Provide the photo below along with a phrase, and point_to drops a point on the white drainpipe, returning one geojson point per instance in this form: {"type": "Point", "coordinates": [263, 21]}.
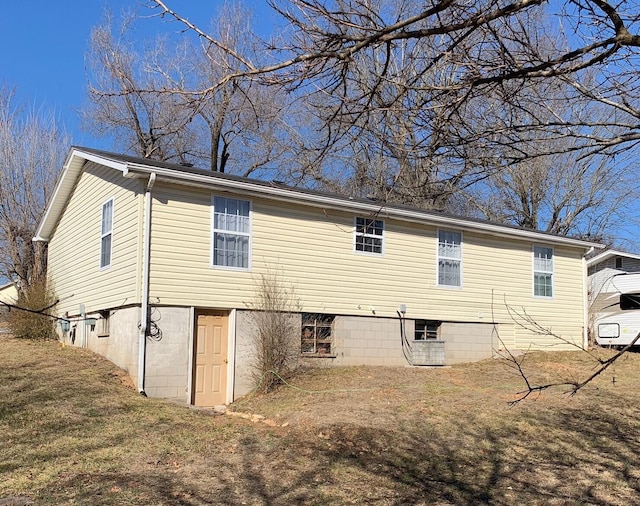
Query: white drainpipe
{"type": "Point", "coordinates": [585, 299]}
{"type": "Point", "coordinates": [144, 309]}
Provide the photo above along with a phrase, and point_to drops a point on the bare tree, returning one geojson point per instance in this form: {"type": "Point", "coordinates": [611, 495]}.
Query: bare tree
{"type": "Point", "coordinates": [32, 149]}
{"type": "Point", "coordinates": [572, 385]}
{"type": "Point", "coordinates": [146, 99]}
{"type": "Point", "coordinates": [409, 96]}
{"type": "Point", "coordinates": [150, 125]}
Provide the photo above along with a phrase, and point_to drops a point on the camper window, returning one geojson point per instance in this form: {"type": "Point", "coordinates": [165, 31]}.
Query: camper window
{"type": "Point", "coordinates": [610, 330]}
{"type": "Point", "coordinates": [630, 301]}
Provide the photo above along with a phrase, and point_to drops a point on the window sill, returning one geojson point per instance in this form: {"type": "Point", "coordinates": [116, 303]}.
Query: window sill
{"type": "Point", "coordinates": [318, 355]}
{"type": "Point", "coordinates": [450, 287]}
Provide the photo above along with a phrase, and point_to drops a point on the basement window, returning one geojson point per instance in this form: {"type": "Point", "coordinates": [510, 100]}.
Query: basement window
{"type": "Point", "coordinates": [426, 329]}
{"type": "Point", "coordinates": [317, 336]}
{"type": "Point", "coordinates": [103, 324]}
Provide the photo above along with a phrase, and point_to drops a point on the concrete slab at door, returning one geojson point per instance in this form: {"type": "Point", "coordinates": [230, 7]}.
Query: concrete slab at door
{"type": "Point", "coordinates": [210, 378]}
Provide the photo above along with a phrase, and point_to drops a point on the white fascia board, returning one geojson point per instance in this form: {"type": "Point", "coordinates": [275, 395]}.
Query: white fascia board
{"type": "Point", "coordinates": [108, 162]}
{"type": "Point", "coordinates": [610, 253]}
{"type": "Point", "coordinates": [345, 204]}
{"type": "Point", "coordinates": [71, 171]}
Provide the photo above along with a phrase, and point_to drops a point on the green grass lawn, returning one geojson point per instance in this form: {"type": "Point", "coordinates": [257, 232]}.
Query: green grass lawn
{"type": "Point", "coordinates": [73, 431]}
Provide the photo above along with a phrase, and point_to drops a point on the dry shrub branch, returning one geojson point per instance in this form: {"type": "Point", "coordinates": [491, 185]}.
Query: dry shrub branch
{"type": "Point", "coordinates": [277, 330]}
{"type": "Point", "coordinates": [28, 319]}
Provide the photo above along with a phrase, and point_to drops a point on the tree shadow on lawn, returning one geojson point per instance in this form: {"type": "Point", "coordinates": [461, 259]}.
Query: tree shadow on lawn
{"type": "Point", "coordinates": [576, 456]}
{"type": "Point", "coordinates": [538, 456]}
{"type": "Point", "coordinates": [535, 453]}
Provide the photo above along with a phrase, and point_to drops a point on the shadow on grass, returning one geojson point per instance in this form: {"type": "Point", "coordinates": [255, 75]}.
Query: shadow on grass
{"type": "Point", "coordinates": [573, 457]}
{"type": "Point", "coordinates": [568, 456]}
{"type": "Point", "coordinates": [92, 442]}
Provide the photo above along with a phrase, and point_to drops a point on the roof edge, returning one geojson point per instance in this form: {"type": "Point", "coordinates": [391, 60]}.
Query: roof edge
{"type": "Point", "coordinates": [131, 166]}
{"type": "Point", "coordinates": [71, 171]}
{"type": "Point", "coordinates": [605, 255]}
{"type": "Point", "coordinates": [317, 199]}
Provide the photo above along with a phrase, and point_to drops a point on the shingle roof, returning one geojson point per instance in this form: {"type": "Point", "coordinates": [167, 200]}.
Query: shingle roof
{"type": "Point", "coordinates": [179, 174]}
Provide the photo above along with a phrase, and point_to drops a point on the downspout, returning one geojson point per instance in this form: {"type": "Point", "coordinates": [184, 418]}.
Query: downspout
{"type": "Point", "coordinates": [585, 300]}
{"type": "Point", "coordinates": [144, 306]}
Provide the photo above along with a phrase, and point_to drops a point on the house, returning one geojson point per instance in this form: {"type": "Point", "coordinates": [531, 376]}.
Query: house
{"type": "Point", "coordinates": [156, 266]}
{"type": "Point", "coordinates": [614, 294]}
{"type": "Point", "coordinates": [8, 295]}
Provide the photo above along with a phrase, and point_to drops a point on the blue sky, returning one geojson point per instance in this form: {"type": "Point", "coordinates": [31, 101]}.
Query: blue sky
{"type": "Point", "coordinates": [43, 45]}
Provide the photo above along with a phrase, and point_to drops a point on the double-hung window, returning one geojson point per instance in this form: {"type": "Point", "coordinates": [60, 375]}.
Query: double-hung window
{"type": "Point", "coordinates": [106, 233]}
{"type": "Point", "coordinates": [449, 258]}
{"type": "Point", "coordinates": [231, 232]}
{"type": "Point", "coordinates": [542, 271]}
{"type": "Point", "coordinates": [368, 235]}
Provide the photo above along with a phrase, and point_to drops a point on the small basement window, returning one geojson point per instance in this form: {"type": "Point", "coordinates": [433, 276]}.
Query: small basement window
{"type": "Point", "coordinates": [317, 336]}
{"type": "Point", "coordinates": [103, 324]}
{"type": "Point", "coordinates": [426, 329]}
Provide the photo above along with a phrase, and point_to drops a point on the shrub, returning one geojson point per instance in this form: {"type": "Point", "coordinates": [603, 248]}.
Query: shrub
{"type": "Point", "coordinates": [34, 324]}
{"type": "Point", "coordinates": [277, 331]}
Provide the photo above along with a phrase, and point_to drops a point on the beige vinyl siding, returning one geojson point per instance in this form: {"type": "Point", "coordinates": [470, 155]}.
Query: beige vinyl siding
{"type": "Point", "coordinates": [74, 249]}
{"type": "Point", "coordinates": [9, 293]}
{"type": "Point", "coordinates": [313, 248]}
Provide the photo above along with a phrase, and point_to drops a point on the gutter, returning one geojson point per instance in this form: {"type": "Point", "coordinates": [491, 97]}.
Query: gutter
{"type": "Point", "coordinates": [144, 306]}
{"type": "Point", "coordinates": [286, 194]}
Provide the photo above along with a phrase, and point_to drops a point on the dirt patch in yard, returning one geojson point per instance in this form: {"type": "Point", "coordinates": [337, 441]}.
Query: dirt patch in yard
{"type": "Point", "coordinates": [73, 433]}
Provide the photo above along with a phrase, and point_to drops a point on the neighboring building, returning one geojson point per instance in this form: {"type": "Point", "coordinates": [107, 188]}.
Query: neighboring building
{"type": "Point", "coordinates": [8, 295]}
{"type": "Point", "coordinates": [377, 284]}
{"type": "Point", "coordinates": [614, 297]}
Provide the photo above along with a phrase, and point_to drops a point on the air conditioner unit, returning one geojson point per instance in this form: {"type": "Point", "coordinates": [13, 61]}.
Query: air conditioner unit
{"type": "Point", "coordinates": [427, 352]}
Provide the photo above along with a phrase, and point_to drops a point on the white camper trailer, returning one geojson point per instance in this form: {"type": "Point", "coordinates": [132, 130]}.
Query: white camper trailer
{"type": "Point", "coordinates": [617, 313]}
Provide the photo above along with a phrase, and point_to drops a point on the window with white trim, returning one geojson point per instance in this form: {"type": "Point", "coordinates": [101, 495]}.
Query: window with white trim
{"type": "Point", "coordinates": [231, 232]}
{"type": "Point", "coordinates": [106, 234]}
{"type": "Point", "coordinates": [449, 258]}
{"type": "Point", "coordinates": [542, 271]}
{"type": "Point", "coordinates": [368, 235]}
